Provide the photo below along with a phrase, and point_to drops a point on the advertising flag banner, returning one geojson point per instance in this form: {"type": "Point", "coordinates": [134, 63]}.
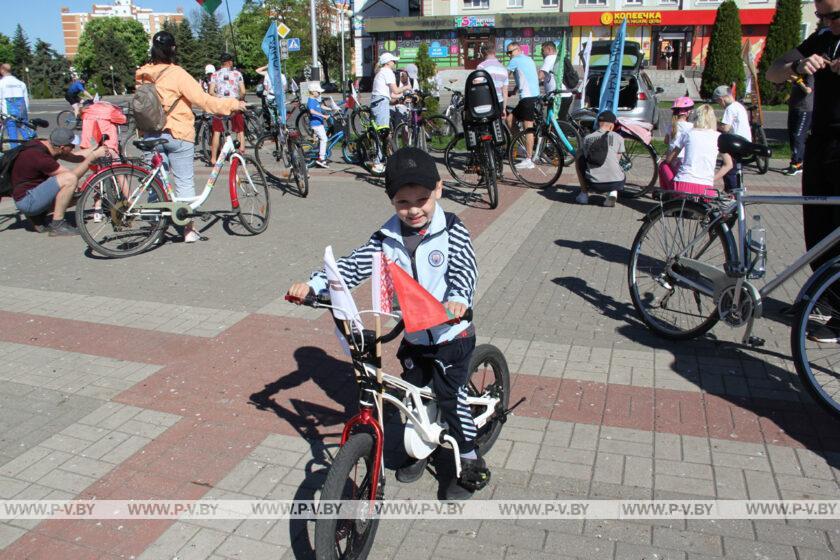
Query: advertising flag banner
{"type": "Point", "coordinates": [271, 48]}
{"type": "Point", "coordinates": [612, 78]}
{"type": "Point", "coordinates": [587, 55]}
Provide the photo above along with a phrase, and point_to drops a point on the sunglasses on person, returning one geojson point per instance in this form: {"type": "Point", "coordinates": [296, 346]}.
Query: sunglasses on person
{"type": "Point", "coordinates": [831, 16]}
{"type": "Point", "coordinates": [510, 52]}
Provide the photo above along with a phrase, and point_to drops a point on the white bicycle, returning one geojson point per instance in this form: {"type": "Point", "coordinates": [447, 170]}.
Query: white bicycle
{"type": "Point", "coordinates": [125, 208]}
{"type": "Point", "coordinates": [357, 472]}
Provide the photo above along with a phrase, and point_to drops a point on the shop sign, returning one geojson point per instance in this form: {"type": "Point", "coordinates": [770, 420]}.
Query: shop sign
{"type": "Point", "coordinates": [408, 52]}
{"type": "Point", "coordinates": [633, 18]}
{"type": "Point", "coordinates": [436, 50]}
{"type": "Point", "coordinates": [475, 21]}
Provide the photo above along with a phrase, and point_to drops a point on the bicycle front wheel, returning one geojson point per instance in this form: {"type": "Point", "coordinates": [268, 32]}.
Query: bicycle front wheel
{"type": "Point", "coordinates": [66, 119]}
{"type": "Point", "coordinates": [403, 136]}
{"type": "Point", "coordinates": [762, 164]}
{"type": "Point", "coordinates": [302, 124]}
{"type": "Point", "coordinates": [544, 166]}
{"type": "Point", "coordinates": [298, 171]}
{"type": "Point", "coordinates": [814, 341]}
{"type": "Point", "coordinates": [438, 131]}
{"type": "Point", "coordinates": [310, 152]}
{"type": "Point", "coordinates": [463, 163]}
{"type": "Point", "coordinates": [572, 142]}
{"type": "Point", "coordinates": [639, 164]}
{"type": "Point", "coordinates": [349, 478]}
{"type": "Point", "coordinates": [659, 285]}
{"type": "Point", "coordinates": [249, 194]}
{"type": "Point", "coordinates": [108, 217]}
{"type": "Point", "coordinates": [360, 120]}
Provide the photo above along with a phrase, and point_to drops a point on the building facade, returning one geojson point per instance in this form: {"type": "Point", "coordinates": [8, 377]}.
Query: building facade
{"type": "Point", "coordinates": [73, 23]}
{"type": "Point", "coordinates": [674, 34]}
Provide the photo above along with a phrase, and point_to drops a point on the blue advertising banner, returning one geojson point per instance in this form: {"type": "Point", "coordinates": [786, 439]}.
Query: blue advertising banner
{"type": "Point", "coordinates": [271, 48]}
{"type": "Point", "coordinates": [612, 77]}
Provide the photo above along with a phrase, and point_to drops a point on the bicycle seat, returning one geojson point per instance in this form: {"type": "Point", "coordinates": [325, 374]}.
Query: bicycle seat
{"type": "Point", "coordinates": [149, 145]}
{"type": "Point", "coordinates": [739, 148]}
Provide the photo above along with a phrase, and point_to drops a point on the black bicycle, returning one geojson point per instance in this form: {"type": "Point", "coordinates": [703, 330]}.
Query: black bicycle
{"type": "Point", "coordinates": [28, 128]}
{"type": "Point", "coordinates": [281, 157]}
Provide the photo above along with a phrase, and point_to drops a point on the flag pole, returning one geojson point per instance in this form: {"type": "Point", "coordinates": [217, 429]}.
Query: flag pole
{"type": "Point", "coordinates": [232, 36]}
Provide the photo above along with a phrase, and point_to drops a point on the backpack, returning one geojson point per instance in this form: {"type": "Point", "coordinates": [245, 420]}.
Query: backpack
{"type": "Point", "coordinates": [596, 153]}
{"type": "Point", "coordinates": [147, 108]}
{"type": "Point", "coordinates": [571, 78]}
{"type": "Point", "coordinates": [6, 164]}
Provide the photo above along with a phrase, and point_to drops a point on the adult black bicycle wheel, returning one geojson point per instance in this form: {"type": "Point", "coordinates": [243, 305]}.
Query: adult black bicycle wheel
{"type": "Point", "coordinates": [298, 171]}
{"type": "Point", "coordinates": [349, 478]}
{"type": "Point", "coordinates": [350, 151]}
{"type": "Point", "coordinates": [269, 155]}
{"type": "Point", "coordinates": [360, 119]}
{"type": "Point", "coordinates": [544, 166]}
{"type": "Point", "coordinates": [463, 163]}
{"type": "Point", "coordinates": [762, 164]}
{"type": "Point", "coordinates": [488, 164]}
{"type": "Point", "coordinates": [574, 139]}
{"type": "Point", "coordinates": [639, 162]}
{"type": "Point", "coordinates": [404, 136]}
{"type": "Point", "coordinates": [253, 127]}
{"type": "Point", "coordinates": [371, 149]}
{"type": "Point", "coordinates": [814, 341]}
{"type": "Point", "coordinates": [253, 206]}
{"type": "Point", "coordinates": [438, 132]}
{"type": "Point", "coordinates": [108, 217]}
{"type": "Point", "coordinates": [302, 124]}
{"type": "Point", "coordinates": [66, 119]}
{"type": "Point", "coordinates": [670, 306]}
{"type": "Point", "coordinates": [489, 375]}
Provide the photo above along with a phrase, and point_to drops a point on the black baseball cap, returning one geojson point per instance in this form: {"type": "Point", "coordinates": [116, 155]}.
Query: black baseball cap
{"type": "Point", "coordinates": [62, 137]}
{"type": "Point", "coordinates": [607, 116]}
{"type": "Point", "coordinates": [163, 39]}
{"type": "Point", "coordinates": [410, 166]}
{"type": "Point", "coordinates": [226, 57]}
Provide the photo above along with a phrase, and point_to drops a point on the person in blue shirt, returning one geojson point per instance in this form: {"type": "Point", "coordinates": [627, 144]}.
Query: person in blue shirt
{"type": "Point", "coordinates": [317, 118]}
{"type": "Point", "coordinates": [75, 92]}
{"type": "Point", "coordinates": [528, 85]}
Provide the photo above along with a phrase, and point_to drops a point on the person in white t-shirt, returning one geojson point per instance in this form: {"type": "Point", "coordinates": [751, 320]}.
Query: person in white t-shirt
{"type": "Point", "coordinates": [696, 174]}
{"type": "Point", "coordinates": [680, 124]}
{"type": "Point", "coordinates": [735, 120]}
{"type": "Point", "coordinates": [385, 91]}
{"type": "Point", "coordinates": [549, 53]}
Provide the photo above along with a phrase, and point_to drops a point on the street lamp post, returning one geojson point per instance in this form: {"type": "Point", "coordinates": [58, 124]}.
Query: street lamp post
{"type": "Point", "coordinates": [315, 69]}
{"type": "Point", "coordinates": [28, 85]}
{"type": "Point", "coordinates": [340, 7]}
{"type": "Point", "coordinates": [113, 85]}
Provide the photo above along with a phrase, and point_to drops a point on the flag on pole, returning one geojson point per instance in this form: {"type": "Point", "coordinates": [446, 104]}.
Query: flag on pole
{"type": "Point", "coordinates": [612, 77]}
{"type": "Point", "coordinates": [271, 48]}
{"type": "Point", "coordinates": [209, 5]}
{"type": "Point", "coordinates": [382, 287]}
{"type": "Point", "coordinates": [420, 309]}
{"type": "Point", "coordinates": [587, 55]}
{"type": "Point", "coordinates": [559, 71]}
{"type": "Point", "coordinates": [342, 300]}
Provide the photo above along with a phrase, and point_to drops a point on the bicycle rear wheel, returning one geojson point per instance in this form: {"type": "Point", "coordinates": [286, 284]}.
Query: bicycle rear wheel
{"type": "Point", "coordinates": [249, 194]}
{"type": "Point", "coordinates": [298, 172]}
{"type": "Point", "coordinates": [489, 165]}
{"type": "Point", "coordinates": [302, 124]}
{"type": "Point", "coordinates": [66, 119]}
{"type": "Point", "coordinates": [463, 163]}
{"type": "Point", "coordinates": [546, 162]}
{"type": "Point", "coordinates": [269, 155]}
{"type": "Point", "coordinates": [360, 120]}
{"type": "Point", "coordinates": [762, 164]}
{"type": "Point", "coordinates": [404, 136]}
{"type": "Point", "coordinates": [106, 215]}
{"type": "Point", "coordinates": [349, 478]}
{"type": "Point", "coordinates": [574, 139]}
{"type": "Point", "coordinates": [639, 164]}
{"type": "Point", "coordinates": [670, 307]}
{"type": "Point", "coordinates": [310, 152]}
{"type": "Point", "coordinates": [438, 132]}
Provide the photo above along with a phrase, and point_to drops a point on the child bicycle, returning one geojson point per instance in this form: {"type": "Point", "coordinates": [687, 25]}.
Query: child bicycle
{"type": "Point", "coordinates": [340, 132]}
{"type": "Point", "coordinates": [138, 202]}
{"type": "Point", "coordinates": [688, 270]}
{"type": "Point", "coordinates": [357, 473]}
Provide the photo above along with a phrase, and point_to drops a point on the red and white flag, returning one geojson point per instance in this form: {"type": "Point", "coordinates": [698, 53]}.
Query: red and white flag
{"type": "Point", "coordinates": [420, 309]}
{"type": "Point", "coordinates": [344, 307]}
{"type": "Point", "coordinates": [381, 285]}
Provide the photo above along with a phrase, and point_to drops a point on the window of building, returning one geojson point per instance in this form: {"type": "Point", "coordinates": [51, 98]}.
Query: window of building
{"type": "Point", "coordinates": [591, 2]}
{"type": "Point", "coordinates": [514, 3]}
{"type": "Point", "coordinates": [550, 3]}
{"type": "Point", "coordinates": [633, 2]}
{"type": "Point", "coordinates": [477, 3]}
{"type": "Point", "coordinates": [669, 2]}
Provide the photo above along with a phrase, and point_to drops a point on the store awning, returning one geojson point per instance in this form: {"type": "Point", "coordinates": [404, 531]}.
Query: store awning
{"type": "Point", "coordinates": [429, 23]}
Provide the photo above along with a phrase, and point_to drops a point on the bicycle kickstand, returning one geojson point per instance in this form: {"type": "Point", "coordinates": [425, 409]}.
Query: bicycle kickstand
{"type": "Point", "coordinates": [503, 415]}
{"type": "Point", "coordinates": [749, 338]}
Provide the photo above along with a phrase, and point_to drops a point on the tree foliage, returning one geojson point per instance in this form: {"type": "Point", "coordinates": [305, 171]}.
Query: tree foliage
{"type": "Point", "coordinates": [49, 71]}
{"type": "Point", "coordinates": [723, 59]}
{"type": "Point", "coordinates": [188, 49]}
{"type": "Point", "coordinates": [21, 51]}
{"type": "Point", "coordinates": [211, 41]}
{"type": "Point", "coordinates": [249, 28]}
{"type": "Point", "coordinates": [112, 42]}
{"type": "Point", "coordinates": [6, 52]}
{"type": "Point", "coordinates": [782, 36]}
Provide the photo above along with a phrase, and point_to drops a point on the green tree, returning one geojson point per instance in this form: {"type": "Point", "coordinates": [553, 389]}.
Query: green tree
{"type": "Point", "coordinates": [21, 52]}
{"type": "Point", "coordinates": [189, 57]}
{"type": "Point", "coordinates": [782, 36]}
{"type": "Point", "coordinates": [723, 59]}
{"type": "Point", "coordinates": [49, 71]}
{"type": "Point", "coordinates": [249, 29]}
{"type": "Point", "coordinates": [6, 51]}
{"type": "Point", "coordinates": [210, 40]}
{"type": "Point", "coordinates": [426, 70]}
{"type": "Point", "coordinates": [112, 42]}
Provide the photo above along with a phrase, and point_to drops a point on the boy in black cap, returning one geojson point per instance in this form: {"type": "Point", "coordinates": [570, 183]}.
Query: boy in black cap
{"type": "Point", "coordinates": [435, 248]}
{"type": "Point", "coordinates": [41, 183]}
{"type": "Point", "coordinates": [598, 166]}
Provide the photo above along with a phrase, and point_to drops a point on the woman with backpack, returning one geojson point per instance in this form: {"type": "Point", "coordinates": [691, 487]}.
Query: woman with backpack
{"type": "Point", "coordinates": [178, 92]}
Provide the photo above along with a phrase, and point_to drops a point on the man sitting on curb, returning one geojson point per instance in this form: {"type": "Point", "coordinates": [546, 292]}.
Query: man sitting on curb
{"type": "Point", "coordinates": [598, 168]}
{"type": "Point", "coordinates": [41, 183]}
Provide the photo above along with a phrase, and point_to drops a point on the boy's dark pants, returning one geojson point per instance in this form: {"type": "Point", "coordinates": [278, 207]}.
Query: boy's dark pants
{"type": "Point", "coordinates": [447, 365]}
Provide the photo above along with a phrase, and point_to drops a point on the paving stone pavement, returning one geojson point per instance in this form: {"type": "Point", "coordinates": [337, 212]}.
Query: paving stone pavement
{"type": "Point", "coordinates": [180, 373]}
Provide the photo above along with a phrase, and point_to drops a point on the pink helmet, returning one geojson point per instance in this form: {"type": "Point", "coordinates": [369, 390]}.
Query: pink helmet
{"type": "Point", "coordinates": [682, 104]}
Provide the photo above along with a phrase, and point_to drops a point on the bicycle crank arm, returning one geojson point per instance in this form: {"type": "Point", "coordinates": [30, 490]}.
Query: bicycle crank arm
{"type": "Point", "coordinates": [179, 212]}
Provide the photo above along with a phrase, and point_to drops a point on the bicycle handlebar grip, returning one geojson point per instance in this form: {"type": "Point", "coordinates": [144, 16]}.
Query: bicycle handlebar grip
{"type": "Point", "coordinates": [467, 316]}
{"type": "Point", "coordinates": [308, 300]}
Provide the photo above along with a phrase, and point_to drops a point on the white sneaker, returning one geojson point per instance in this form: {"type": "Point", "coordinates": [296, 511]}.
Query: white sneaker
{"type": "Point", "coordinates": [191, 236]}
{"type": "Point", "coordinates": [582, 198]}
{"type": "Point", "coordinates": [378, 168]}
{"type": "Point", "coordinates": [97, 217]}
{"type": "Point", "coordinates": [610, 201]}
{"type": "Point", "coordinates": [322, 163]}
{"type": "Point", "coordinates": [525, 164]}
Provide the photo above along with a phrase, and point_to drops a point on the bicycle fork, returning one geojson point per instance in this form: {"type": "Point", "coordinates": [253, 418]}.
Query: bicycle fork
{"type": "Point", "coordinates": [366, 417]}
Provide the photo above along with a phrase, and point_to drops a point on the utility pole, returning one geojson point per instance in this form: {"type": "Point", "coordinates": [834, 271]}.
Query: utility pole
{"type": "Point", "coordinates": [316, 71]}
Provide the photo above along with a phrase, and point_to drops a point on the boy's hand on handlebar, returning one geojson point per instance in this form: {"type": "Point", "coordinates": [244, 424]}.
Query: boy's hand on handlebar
{"type": "Point", "coordinates": [242, 106]}
{"type": "Point", "coordinates": [455, 308]}
{"type": "Point", "coordinates": [299, 290]}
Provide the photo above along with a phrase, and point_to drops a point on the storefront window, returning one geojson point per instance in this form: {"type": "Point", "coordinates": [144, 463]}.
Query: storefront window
{"type": "Point", "coordinates": [476, 3]}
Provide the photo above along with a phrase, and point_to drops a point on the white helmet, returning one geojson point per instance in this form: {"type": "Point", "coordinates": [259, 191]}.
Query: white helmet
{"type": "Point", "coordinates": [209, 69]}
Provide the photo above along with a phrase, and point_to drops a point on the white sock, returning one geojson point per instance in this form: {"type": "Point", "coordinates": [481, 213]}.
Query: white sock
{"type": "Point", "coordinates": [471, 455]}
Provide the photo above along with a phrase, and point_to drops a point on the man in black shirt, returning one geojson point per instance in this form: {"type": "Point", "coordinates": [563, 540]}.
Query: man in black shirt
{"type": "Point", "coordinates": [819, 55]}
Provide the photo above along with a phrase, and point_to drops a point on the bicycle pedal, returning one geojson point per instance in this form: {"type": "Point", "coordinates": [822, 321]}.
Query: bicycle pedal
{"type": "Point", "coordinates": [756, 341]}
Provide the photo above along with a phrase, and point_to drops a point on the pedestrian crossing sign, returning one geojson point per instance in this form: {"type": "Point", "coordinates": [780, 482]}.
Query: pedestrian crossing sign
{"type": "Point", "coordinates": [294, 44]}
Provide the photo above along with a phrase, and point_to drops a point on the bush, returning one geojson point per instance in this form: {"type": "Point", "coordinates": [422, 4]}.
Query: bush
{"type": "Point", "coordinates": [723, 59]}
{"type": "Point", "coordinates": [425, 66]}
{"type": "Point", "coordinates": [782, 36]}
